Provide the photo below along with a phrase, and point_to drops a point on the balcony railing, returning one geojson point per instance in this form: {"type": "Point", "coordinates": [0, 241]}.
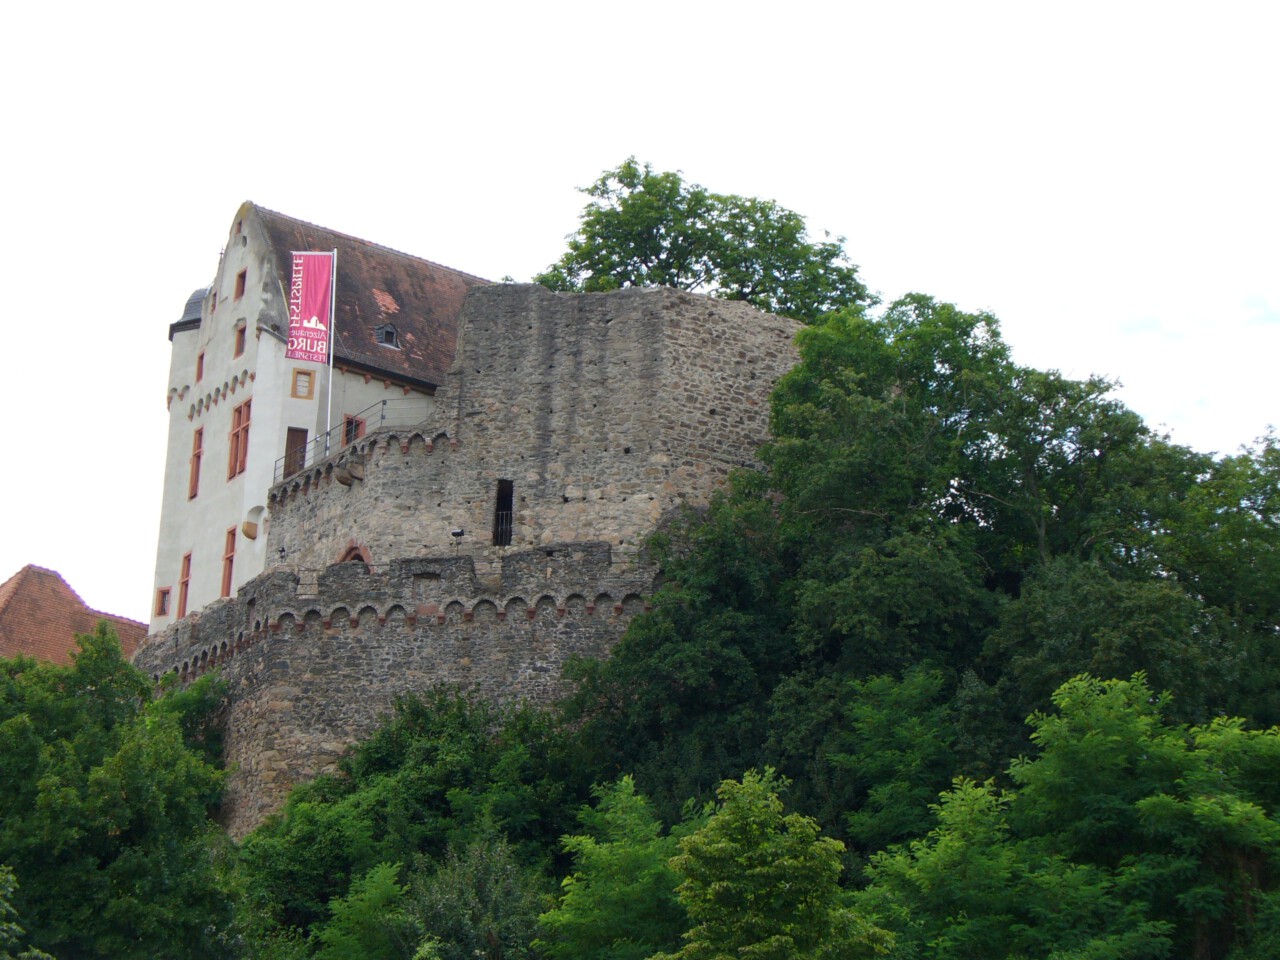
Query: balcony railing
{"type": "Point", "coordinates": [404, 412]}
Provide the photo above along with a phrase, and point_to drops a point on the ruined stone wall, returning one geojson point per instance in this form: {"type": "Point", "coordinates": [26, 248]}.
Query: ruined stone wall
{"type": "Point", "coordinates": [606, 411]}
{"type": "Point", "coordinates": [310, 673]}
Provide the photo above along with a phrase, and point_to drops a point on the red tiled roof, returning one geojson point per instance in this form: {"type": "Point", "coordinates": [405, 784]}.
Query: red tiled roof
{"type": "Point", "coordinates": [376, 286]}
{"type": "Point", "coordinates": [40, 616]}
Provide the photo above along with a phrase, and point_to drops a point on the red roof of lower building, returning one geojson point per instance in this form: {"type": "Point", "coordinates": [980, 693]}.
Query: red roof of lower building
{"type": "Point", "coordinates": [40, 616]}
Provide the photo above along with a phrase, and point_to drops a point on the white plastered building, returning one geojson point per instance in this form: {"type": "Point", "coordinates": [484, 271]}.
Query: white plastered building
{"type": "Point", "coordinates": [241, 415]}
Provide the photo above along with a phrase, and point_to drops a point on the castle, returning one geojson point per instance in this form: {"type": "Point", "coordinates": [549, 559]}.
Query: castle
{"type": "Point", "coordinates": [478, 521]}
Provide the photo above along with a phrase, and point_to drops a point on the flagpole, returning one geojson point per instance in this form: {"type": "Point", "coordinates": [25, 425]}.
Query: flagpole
{"type": "Point", "coordinates": [333, 339]}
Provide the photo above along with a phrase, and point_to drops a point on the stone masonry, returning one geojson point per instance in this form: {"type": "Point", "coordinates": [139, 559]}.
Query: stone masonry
{"type": "Point", "coordinates": [605, 411]}
{"type": "Point", "coordinates": [603, 414]}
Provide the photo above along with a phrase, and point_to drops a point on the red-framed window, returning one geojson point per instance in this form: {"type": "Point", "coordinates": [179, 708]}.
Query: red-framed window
{"type": "Point", "coordinates": [352, 429]}
{"type": "Point", "coordinates": [239, 440]}
{"type": "Point", "coordinates": [184, 586]}
{"type": "Point", "coordinates": [239, 341]}
{"type": "Point", "coordinates": [228, 561]}
{"type": "Point", "coordinates": [162, 602]}
{"type": "Point", "coordinates": [197, 454]}
{"type": "Point", "coordinates": [200, 366]}
{"type": "Point", "coordinates": [241, 280]}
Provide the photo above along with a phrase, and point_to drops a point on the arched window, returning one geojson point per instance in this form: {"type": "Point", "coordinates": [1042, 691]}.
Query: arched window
{"type": "Point", "coordinates": [357, 554]}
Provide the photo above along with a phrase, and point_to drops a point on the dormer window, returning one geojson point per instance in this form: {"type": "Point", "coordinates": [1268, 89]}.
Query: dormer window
{"type": "Point", "coordinates": [386, 335]}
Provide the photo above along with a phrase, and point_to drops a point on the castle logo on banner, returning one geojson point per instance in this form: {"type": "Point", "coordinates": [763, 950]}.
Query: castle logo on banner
{"type": "Point", "coordinates": [310, 306]}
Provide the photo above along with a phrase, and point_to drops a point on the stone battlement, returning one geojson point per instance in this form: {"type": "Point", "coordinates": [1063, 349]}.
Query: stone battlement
{"type": "Point", "coordinates": [310, 673]}
{"type": "Point", "coordinates": [575, 579]}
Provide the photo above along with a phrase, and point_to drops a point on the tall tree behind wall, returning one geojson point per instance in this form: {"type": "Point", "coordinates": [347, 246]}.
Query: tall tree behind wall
{"type": "Point", "coordinates": [644, 228]}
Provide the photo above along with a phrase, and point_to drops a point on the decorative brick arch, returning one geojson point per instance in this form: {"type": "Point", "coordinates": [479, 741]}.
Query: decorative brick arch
{"type": "Point", "coordinates": [357, 551]}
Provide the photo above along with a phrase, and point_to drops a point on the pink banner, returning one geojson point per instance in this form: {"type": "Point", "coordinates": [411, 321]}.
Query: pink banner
{"type": "Point", "coordinates": [310, 293]}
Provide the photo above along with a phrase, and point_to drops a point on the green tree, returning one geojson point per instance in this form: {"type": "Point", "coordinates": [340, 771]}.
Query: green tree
{"type": "Point", "coordinates": [896, 745]}
{"type": "Point", "coordinates": [1184, 814]}
{"type": "Point", "coordinates": [445, 771]}
{"type": "Point", "coordinates": [1224, 548]}
{"type": "Point", "coordinates": [1127, 836]}
{"type": "Point", "coordinates": [929, 501]}
{"type": "Point", "coordinates": [761, 884]}
{"type": "Point", "coordinates": [1227, 546]}
{"type": "Point", "coordinates": [683, 701]}
{"type": "Point", "coordinates": [1075, 616]}
{"type": "Point", "coordinates": [11, 933]}
{"type": "Point", "coordinates": [619, 902]}
{"type": "Point", "coordinates": [971, 889]}
{"type": "Point", "coordinates": [480, 904]}
{"type": "Point", "coordinates": [369, 923]}
{"type": "Point", "coordinates": [104, 809]}
{"type": "Point", "coordinates": [644, 228]}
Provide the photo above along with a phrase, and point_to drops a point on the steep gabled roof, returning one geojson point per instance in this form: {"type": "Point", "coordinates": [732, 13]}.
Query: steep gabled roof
{"type": "Point", "coordinates": [379, 286]}
{"type": "Point", "coordinates": [40, 616]}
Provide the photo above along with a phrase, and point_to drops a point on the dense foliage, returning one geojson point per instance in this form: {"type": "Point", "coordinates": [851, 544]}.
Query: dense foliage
{"type": "Point", "coordinates": [104, 809]}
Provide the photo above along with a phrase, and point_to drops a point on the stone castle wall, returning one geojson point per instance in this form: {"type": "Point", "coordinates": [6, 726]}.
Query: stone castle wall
{"type": "Point", "coordinates": [309, 672]}
{"type": "Point", "coordinates": [606, 411]}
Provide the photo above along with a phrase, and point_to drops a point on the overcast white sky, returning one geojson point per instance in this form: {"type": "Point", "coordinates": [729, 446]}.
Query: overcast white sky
{"type": "Point", "coordinates": [1102, 176]}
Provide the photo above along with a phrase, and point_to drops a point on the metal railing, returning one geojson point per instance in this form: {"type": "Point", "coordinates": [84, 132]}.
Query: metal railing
{"type": "Point", "coordinates": [502, 528]}
{"type": "Point", "coordinates": [404, 412]}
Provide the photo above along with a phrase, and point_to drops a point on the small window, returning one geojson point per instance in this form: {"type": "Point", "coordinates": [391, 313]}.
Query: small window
{"type": "Point", "coordinates": [239, 457]}
{"type": "Point", "coordinates": [162, 602]}
{"type": "Point", "coordinates": [200, 366]}
{"type": "Point", "coordinates": [352, 429]}
{"type": "Point", "coordinates": [213, 301]}
{"type": "Point", "coordinates": [242, 279]}
{"type": "Point", "coordinates": [304, 384]}
{"type": "Point", "coordinates": [197, 454]}
{"type": "Point", "coordinates": [239, 341]}
{"type": "Point", "coordinates": [184, 586]}
{"type": "Point", "coordinates": [386, 335]}
{"type": "Point", "coordinates": [502, 513]}
{"type": "Point", "coordinates": [239, 225]}
{"type": "Point", "coordinates": [228, 561]}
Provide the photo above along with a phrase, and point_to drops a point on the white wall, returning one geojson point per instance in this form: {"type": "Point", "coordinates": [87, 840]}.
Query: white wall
{"type": "Point", "coordinates": [262, 374]}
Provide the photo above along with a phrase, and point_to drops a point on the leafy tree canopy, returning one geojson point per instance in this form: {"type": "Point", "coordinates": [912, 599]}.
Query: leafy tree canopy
{"type": "Point", "coordinates": [760, 883]}
{"type": "Point", "coordinates": [931, 503]}
{"type": "Point", "coordinates": [11, 933]}
{"type": "Point", "coordinates": [1127, 835]}
{"type": "Point", "coordinates": [619, 902]}
{"type": "Point", "coordinates": [644, 228]}
{"type": "Point", "coordinates": [445, 773]}
{"type": "Point", "coordinates": [104, 807]}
